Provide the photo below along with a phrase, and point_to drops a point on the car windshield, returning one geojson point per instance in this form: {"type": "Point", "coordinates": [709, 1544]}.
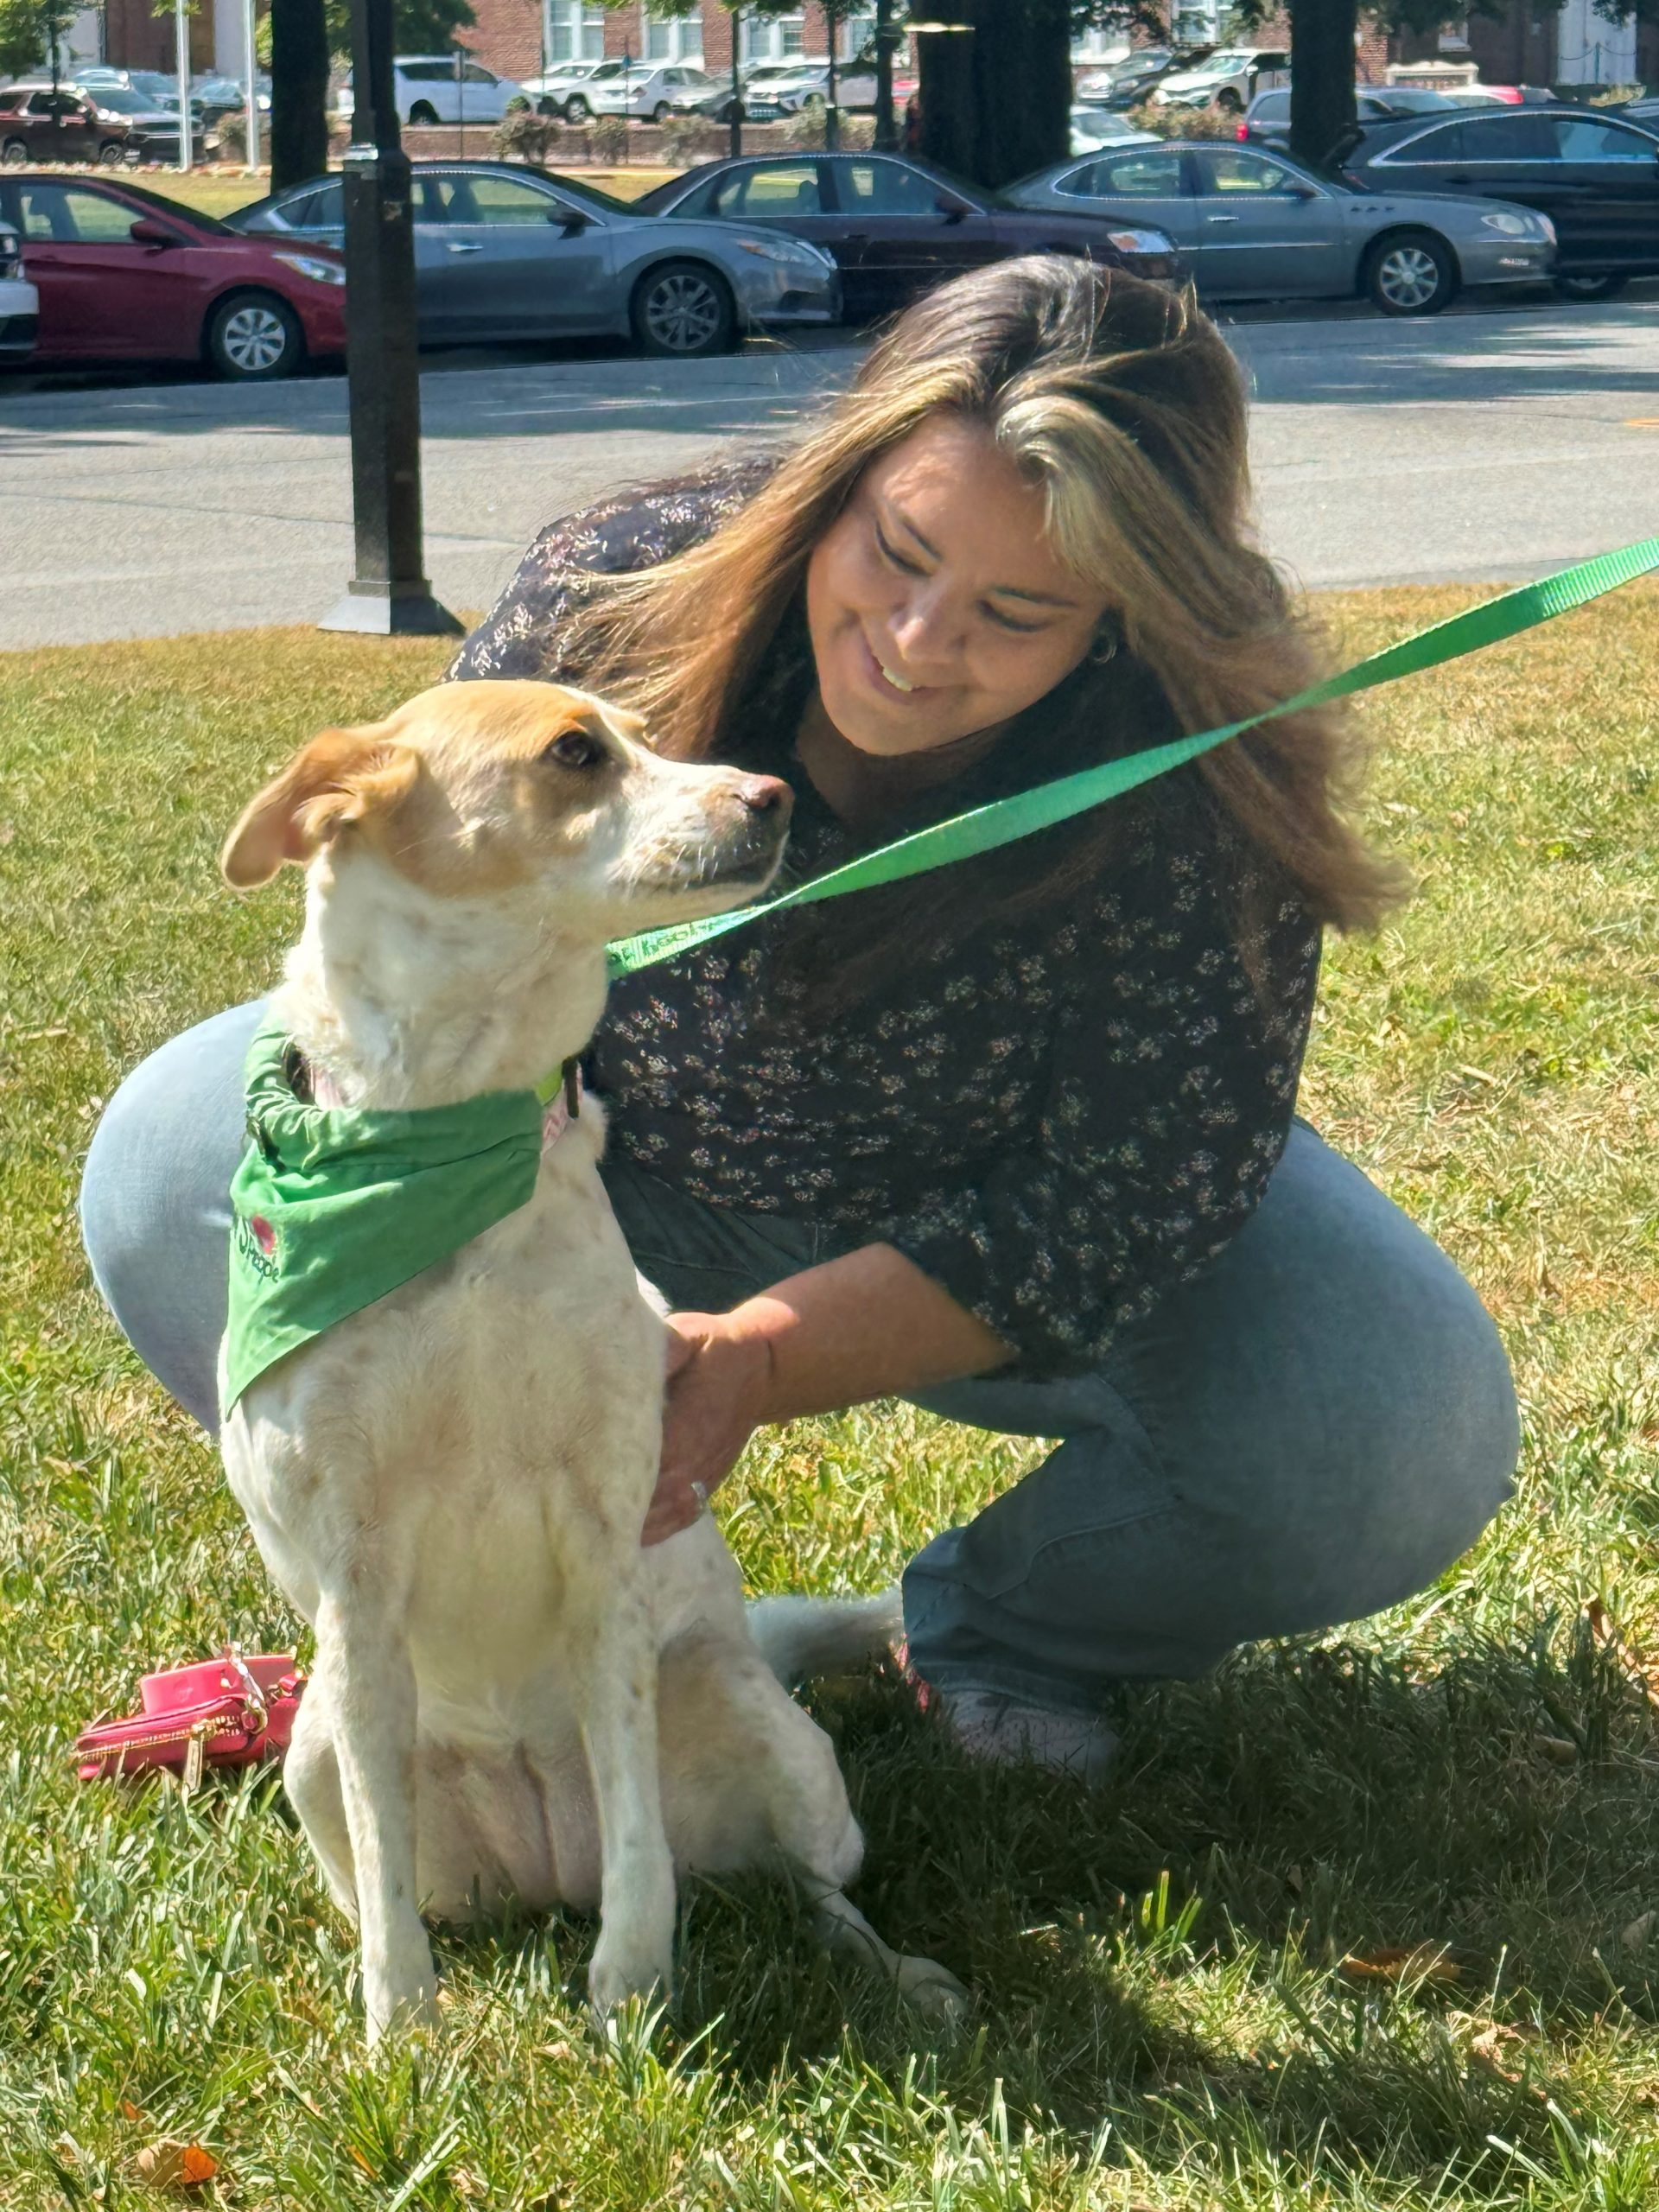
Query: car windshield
{"type": "Point", "coordinates": [1412, 99]}
{"type": "Point", "coordinates": [576, 190]}
{"type": "Point", "coordinates": [611, 69]}
{"type": "Point", "coordinates": [120, 101]}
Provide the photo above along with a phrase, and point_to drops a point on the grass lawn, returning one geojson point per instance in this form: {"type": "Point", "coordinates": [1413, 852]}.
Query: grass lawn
{"type": "Point", "coordinates": [221, 192]}
{"type": "Point", "coordinates": [1462, 1796]}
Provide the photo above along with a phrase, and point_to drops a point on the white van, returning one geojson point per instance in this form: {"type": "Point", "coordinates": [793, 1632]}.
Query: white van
{"type": "Point", "coordinates": [442, 88]}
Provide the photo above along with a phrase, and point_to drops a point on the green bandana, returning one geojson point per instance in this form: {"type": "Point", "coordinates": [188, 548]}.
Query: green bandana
{"type": "Point", "coordinates": [334, 1207]}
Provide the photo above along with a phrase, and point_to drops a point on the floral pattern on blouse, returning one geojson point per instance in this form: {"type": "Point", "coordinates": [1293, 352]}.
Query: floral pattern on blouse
{"type": "Point", "coordinates": [1058, 1118]}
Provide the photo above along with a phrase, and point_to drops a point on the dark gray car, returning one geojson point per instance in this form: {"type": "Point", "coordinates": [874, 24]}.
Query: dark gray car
{"type": "Point", "coordinates": [1254, 225]}
{"type": "Point", "coordinates": [503, 251]}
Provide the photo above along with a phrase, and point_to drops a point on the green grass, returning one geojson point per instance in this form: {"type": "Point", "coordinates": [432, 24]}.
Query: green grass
{"type": "Point", "coordinates": [1162, 2018]}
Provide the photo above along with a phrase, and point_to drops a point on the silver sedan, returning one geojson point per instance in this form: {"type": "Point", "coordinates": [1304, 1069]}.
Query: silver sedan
{"type": "Point", "coordinates": [502, 252]}
{"type": "Point", "coordinates": [1253, 226]}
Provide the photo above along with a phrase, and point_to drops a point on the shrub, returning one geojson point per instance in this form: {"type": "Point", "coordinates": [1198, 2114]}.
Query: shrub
{"type": "Point", "coordinates": [804, 131]}
{"type": "Point", "coordinates": [233, 136]}
{"type": "Point", "coordinates": [608, 137]}
{"type": "Point", "coordinates": [524, 136]}
{"type": "Point", "coordinates": [1184, 122]}
{"type": "Point", "coordinates": [688, 138]}
{"type": "Point", "coordinates": [1603, 95]}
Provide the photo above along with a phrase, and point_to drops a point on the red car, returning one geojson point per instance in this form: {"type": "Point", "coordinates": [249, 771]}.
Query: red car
{"type": "Point", "coordinates": [124, 275]}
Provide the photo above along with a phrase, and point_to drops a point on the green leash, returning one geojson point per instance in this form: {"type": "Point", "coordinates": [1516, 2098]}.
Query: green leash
{"type": "Point", "coordinates": [987, 827]}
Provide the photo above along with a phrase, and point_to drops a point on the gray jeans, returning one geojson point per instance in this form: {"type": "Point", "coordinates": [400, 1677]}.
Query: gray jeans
{"type": "Point", "coordinates": [1311, 1431]}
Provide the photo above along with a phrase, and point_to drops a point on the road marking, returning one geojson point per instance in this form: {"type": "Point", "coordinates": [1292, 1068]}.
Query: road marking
{"type": "Point", "coordinates": [1642, 422]}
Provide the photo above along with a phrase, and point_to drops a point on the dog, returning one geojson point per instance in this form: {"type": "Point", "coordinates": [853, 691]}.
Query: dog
{"type": "Point", "coordinates": [512, 1698]}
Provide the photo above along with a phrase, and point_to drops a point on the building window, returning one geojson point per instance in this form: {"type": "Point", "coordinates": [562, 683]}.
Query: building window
{"type": "Point", "coordinates": [573, 31]}
{"type": "Point", "coordinates": [1454, 38]}
{"type": "Point", "coordinates": [776, 38]}
{"type": "Point", "coordinates": [673, 38]}
{"type": "Point", "coordinates": [857, 32]}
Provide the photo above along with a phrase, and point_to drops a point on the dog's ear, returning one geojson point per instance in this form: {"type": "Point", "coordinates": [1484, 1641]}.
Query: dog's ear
{"type": "Point", "coordinates": [340, 776]}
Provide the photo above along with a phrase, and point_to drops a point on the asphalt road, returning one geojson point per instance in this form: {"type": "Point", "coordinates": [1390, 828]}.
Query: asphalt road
{"type": "Point", "coordinates": [1489, 443]}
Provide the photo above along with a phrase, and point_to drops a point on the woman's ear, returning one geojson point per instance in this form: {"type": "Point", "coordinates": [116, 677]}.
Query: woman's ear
{"type": "Point", "coordinates": [342, 775]}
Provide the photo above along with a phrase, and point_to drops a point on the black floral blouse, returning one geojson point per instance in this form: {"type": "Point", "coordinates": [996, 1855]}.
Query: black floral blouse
{"type": "Point", "coordinates": [1057, 1118]}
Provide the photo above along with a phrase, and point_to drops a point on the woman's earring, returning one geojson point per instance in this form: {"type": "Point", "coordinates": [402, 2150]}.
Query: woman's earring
{"type": "Point", "coordinates": [1104, 647]}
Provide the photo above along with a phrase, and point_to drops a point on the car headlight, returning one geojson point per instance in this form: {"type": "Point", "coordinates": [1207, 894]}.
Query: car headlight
{"type": "Point", "coordinates": [1141, 241]}
{"type": "Point", "coordinates": [794, 249]}
{"type": "Point", "coordinates": [313, 265]}
{"type": "Point", "coordinates": [1511, 226]}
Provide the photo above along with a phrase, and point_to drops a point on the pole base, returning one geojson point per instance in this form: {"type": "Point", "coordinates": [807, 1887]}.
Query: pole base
{"type": "Point", "coordinates": [381, 610]}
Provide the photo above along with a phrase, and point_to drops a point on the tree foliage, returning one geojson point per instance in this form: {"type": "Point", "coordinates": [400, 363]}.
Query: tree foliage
{"type": "Point", "coordinates": [27, 31]}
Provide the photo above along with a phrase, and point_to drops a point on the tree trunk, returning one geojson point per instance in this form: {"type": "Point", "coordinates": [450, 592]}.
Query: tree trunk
{"type": "Point", "coordinates": [299, 91]}
{"type": "Point", "coordinates": [1321, 74]}
{"type": "Point", "coordinates": [995, 101]}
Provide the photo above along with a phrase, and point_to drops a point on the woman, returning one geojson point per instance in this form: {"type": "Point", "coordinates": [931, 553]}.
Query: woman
{"type": "Point", "coordinates": [1014, 1140]}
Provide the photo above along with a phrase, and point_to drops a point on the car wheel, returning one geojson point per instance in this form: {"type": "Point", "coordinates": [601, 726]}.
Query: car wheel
{"type": "Point", "coordinates": [254, 337]}
{"type": "Point", "coordinates": [1590, 287]}
{"type": "Point", "coordinates": [13, 155]}
{"type": "Point", "coordinates": [683, 310]}
{"type": "Point", "coordinates": [111, 154]}
{"type": "Point", "coordinates": [1230, 103]}
{"type": "Point", "coordinates": [422, 115]}
{"type": "Point", "coordinates": [1413, 274]}
{"type": "Point", "coordinates": [576, 108]}
{"type": "Point", "coordinates": [547, 107]}
{"type": "Point", "coordinates": [661, 112]}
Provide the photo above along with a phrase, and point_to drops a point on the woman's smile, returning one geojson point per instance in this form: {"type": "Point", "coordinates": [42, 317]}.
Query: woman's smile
{"type": "Point", "coordinates": [937, 604]}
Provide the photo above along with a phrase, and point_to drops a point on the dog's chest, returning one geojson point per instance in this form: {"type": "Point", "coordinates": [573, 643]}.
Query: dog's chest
{"type": "Point", "coordinates": [488, 1433]}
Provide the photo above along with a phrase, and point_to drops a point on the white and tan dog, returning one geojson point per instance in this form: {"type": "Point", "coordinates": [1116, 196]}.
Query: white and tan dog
{"type": "Point", "coordinates": [510, 1698]}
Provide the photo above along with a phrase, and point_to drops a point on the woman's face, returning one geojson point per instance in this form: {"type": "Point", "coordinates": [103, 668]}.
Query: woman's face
{"type": "Point", "coordinates": [937, 604]}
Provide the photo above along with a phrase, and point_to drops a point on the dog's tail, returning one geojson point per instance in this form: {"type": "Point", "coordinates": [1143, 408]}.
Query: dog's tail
{"type": "Point", "coordinates": [802, 1637]}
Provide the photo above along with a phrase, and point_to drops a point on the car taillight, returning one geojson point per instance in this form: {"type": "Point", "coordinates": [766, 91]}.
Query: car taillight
{"type": "Point", "coordinates": [1242, 133]}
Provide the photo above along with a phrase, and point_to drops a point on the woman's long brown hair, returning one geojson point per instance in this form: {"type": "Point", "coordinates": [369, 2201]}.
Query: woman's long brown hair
{"type": "Point", "coordinates": [1122, 401]}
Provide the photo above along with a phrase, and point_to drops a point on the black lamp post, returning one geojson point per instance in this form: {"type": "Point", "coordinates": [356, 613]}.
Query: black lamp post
{"type": "Point", "coordinates": [389, 595]}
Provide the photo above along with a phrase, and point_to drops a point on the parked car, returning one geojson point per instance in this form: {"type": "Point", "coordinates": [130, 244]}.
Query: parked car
{"type": "Point", "coordinates": [1595, 176]}
{"type": "Point", "coordinates": [125, 275]}
{"type": "Point", "coordinates": [69, 125]}
{"type": "Point", "coordinates": [895, 226]}
{"type": "Point", "coordinates": [771, 93]}
{"type": "Point", "coordinates": [215, 98]}
{"type": "Point", "coordinates": [1267, 120]}
{"type": "Point", "coordinates": [1126, 83]}
{"type": "Point", "coordinates": [558, 90]}
{"type": "Point", "coordinates": [431, 88]}
{"type": "Point", "coordinates": [504, 251]}
{"type": "Point", "coordinates": [152, 129]}
{"type": "Point", "coordinates": [20, 304]}
{"type": "Point", "coordinates": [1230, 78]}
{"type": "Point", "coordinates": [1257, 226]}
{"type": "Point", "coordinates": [648, 93]}
{"type": "Point", "coordinates": [1095, 127]}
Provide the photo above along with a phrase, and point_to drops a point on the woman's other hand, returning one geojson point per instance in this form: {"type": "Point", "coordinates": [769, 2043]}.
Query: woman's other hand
{"type": "Point", "coordinates": [718, 1384]}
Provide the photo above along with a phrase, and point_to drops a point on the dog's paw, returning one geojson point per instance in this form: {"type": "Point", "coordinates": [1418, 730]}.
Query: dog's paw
{"type": "Point", "coordinates": [933, 1990]}
{"type": "Point", "coordinates": [620, 1972]}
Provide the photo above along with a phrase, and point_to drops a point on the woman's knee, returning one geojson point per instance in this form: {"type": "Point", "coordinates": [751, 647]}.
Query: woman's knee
{"type": "Point", "coordinates": [155, 1200]}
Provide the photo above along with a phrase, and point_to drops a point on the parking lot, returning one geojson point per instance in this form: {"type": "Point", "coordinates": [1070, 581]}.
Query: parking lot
{"type": "Point", "coordinates": [1489, 442]}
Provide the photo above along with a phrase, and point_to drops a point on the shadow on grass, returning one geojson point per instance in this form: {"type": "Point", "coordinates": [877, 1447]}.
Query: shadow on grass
{"type": "Point", "coordinates": [1166, 1954]}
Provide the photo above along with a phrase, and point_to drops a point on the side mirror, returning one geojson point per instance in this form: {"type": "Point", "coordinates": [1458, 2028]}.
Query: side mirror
{"type": "Point", "coordinates": [1302, 192]}
{"type": "Point", "coordinates": [952, 210]}
{"type": "Point", "coordinates": [570, 220]}
{"type": "Point", "coordinates": [145, 232]}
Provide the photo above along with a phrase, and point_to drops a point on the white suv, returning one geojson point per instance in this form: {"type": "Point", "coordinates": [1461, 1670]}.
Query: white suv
{"type": "Point", "coordinates": [631, 88]}
{"type": "Point", "coordinates": [559, 90]}
{"type": "Point", "coordinates": [20, 304]}
{"type": "Point", "coordinates": [1230, 79]}
{"type": "Point", "coordinates": [442, 88]}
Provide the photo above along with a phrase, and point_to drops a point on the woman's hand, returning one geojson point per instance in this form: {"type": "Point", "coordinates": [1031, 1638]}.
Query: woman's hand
{"type": "Point", "coordinates": [719, 1379]}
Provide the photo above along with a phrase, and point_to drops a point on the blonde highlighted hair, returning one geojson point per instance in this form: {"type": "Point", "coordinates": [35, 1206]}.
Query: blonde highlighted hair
{"type": "Point", "coordinates": [1120, 401]}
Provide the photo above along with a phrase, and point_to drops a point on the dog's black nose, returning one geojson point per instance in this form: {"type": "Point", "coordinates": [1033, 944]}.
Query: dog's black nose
{"type": "Point", "coordinates": [765, 795]}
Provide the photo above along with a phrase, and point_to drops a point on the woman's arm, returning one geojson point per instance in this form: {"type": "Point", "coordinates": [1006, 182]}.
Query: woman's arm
{"type": "Point", "coordinates": [867, 1325]}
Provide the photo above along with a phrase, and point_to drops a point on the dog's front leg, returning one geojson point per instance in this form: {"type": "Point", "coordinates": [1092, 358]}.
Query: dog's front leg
{"type": "Point", "coordinates": [635, 1951]}
{"type": "Point", "coordinates": [364, 1662]}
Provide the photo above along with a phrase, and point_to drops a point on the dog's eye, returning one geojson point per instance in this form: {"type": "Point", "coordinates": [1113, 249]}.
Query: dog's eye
{"type": "Point", "coordinates": [575, 749]}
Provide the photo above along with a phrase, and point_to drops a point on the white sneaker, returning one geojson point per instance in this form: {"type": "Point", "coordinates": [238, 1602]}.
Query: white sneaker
{"type": "Point", "coordinates": [1003, 1732]}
